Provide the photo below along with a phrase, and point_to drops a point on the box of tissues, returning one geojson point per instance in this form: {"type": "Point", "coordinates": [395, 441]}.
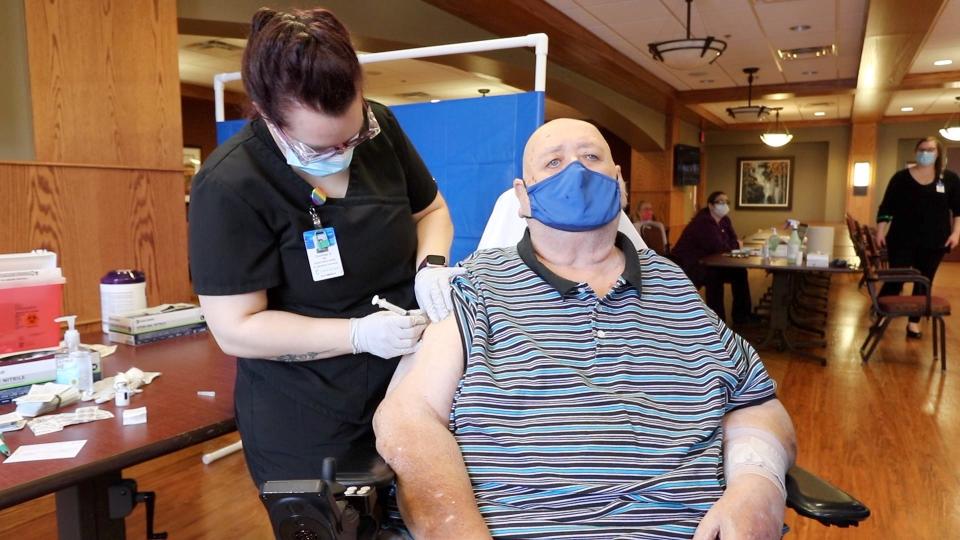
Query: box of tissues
{"type": "Point", "coordinates": [818, 260]}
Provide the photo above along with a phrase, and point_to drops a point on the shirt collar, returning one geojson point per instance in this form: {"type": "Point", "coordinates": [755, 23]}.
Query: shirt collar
{"type": "Point", "coordinates": [632, 272]}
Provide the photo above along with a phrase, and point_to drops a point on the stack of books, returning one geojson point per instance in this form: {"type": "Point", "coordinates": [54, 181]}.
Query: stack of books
{"type": "Point", "coordinates": [156, 323]}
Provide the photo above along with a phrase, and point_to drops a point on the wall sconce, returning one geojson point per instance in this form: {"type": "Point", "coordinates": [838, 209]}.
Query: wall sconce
{"type": "Point", "coordinates": [861, 177]}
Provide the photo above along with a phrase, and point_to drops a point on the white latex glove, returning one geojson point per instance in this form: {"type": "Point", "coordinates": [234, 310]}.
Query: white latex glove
{"type": "Point", "coordinates": [432, 287]}
{"type": "Point", "coordinates": [386, 334]}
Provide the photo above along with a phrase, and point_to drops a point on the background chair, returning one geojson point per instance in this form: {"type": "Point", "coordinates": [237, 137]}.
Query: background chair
{"type": "Point", "coordinates": [655, 236]}
{"type": "Point", "coordinates": [886, 308]}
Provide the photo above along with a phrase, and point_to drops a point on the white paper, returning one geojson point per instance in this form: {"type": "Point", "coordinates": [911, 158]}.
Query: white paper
{"type": "Point", "coordinates": [135, 416]}
{"type": "Point", "coordinates": [37, 452]}
{"type": "Point", "coordinates": [10, 418]}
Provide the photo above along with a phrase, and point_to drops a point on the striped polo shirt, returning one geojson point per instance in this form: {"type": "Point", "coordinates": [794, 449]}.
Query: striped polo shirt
{"type": "Point", "coordinates": [587, 417]}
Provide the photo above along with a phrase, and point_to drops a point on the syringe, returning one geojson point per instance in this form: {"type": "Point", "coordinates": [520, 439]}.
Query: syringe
{"type": "Point", "coordinates": [384, 304]}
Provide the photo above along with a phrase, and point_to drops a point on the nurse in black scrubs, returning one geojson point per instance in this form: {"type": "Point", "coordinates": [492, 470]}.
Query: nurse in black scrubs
{"type": "Point", "coordinates": [296, 222]}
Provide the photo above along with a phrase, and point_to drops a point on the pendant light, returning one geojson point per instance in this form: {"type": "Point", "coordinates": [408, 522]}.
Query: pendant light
{"type": "Point", "coordinates": [951, 130]}
{"type": "Point", "coordinates": [777, 135]}
{"type": "Point", "coordinates": [759, 112]}
{"type": "Point", "coordinates": [689, 52]}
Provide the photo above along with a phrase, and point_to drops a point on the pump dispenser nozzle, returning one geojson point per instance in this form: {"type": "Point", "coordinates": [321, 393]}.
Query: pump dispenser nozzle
{"type": "Point", "coordinates": [71, 338]}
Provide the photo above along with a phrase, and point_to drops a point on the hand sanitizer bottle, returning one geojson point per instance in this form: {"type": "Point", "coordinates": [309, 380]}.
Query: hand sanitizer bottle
{"type": "Point", "coordinates": [793, 246]}
{"type": "Point", "coordinates": [65, 360]}
{"type": "Point", "coordinates": [75, 364]}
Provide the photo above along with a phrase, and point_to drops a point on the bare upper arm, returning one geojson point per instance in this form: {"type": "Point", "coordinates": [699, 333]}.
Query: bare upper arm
{"type": "Point", "coordinates": [429, 377]}
{"type": "Point", "coordinates": [225, 312]}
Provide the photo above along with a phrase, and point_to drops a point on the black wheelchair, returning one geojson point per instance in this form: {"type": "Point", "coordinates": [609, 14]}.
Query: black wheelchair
{"type": "Point", "coordinates": [344, 504]}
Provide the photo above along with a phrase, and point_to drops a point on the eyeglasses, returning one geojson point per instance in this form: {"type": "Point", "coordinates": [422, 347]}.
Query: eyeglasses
{"type": "Point", "coordinates": [308, 154]}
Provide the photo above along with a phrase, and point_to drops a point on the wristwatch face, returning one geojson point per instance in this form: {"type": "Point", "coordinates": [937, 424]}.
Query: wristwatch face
{"type": "Point", "coordinates": [433, 260]}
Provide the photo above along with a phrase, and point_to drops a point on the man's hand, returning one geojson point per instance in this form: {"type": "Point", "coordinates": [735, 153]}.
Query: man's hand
{"type": "Point", "coordinates": [751, 508]}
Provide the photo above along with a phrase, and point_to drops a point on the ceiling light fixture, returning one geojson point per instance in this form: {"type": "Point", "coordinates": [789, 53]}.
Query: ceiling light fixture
{"type": "Point", "coordinates": [906, 109]}
{"type": "Point", "coordinates": [778, 134]}
{"type": "Point", "coordinates": [819, 113]}
{"type": "Point", "coordinates": [690, 52]}
{"type": "Point", "coordinates": [706, 81]}
{"type": "Point", "coordinates": [942, 62]}
{"type": "Point", "coordinates": [758, 111]}
{"type": "Point", "coordinates": [952, 132]}
{"type": "Point", "coordinates": [800, 28]}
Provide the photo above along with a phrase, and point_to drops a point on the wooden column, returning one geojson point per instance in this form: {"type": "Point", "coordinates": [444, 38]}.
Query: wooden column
{"type": "Point", "coordinates": [652, 180]}
{"type": "Point", "coordinates": [863, 147]}
{"type": "Point", "coordinates": [106, 190]}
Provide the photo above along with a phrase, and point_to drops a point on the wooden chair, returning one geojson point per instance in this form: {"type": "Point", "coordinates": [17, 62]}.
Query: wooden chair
{"type": "Point", "coordinates": [654, 234]}
{"type": "Point", "coordinates": [886, 308]}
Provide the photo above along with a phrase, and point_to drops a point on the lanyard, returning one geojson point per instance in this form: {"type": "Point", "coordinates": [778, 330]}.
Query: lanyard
{"type": "Point", "coordinates": [317, 198]}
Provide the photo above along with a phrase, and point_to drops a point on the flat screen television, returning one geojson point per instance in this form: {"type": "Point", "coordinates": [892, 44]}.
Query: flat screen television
{"type": "Point", "coordinates": [686, 165]}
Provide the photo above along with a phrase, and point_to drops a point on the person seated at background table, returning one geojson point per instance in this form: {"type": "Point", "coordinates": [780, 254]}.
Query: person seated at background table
{"type": "Point", "coordinates": [653, 232]}
{"type": "Point", "coordinates": [644, 213]}
{"type": "Point", "coordinates": [711, 232]}
{"type": "Point", "coordinates": [582, 388]}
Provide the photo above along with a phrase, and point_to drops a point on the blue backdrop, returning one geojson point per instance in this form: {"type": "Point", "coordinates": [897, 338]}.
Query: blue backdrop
{"type": "Point", "coordinates": [473, 147]}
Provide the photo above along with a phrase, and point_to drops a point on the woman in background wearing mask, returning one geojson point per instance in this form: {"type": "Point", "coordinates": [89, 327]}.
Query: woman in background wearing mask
{"type": "Point", "coordinates": [914, 221]}
{"type": "Point", "coordinates": [708, 233]}
{"type": "Point", "coordinates": [296, 222]}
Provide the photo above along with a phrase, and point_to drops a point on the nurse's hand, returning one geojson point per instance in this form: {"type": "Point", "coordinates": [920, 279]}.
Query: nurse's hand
{"type": "Point", "coordinates": [432, 287]}
{"type": "Point", "coordinates": [386, 334]}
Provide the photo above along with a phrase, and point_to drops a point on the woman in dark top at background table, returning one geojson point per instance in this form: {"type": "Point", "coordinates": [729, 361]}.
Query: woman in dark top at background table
{"type": "Point", "coordinates": [914, 219]}
{"type": "Point", "coordinates": [708, 233]}
{"type": "Point", "coordinates": [296, 222]}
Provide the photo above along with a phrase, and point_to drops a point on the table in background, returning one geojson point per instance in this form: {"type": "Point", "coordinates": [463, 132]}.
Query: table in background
{"type": "Point", "coordinates": [176, 418]}
{"type": "Point", "coordinates": [784, 281]}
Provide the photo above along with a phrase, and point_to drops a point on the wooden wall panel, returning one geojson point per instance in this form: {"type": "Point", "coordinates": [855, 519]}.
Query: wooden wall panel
{"type": "Point", "coordinates": [863, 147]}
{"type": "Point", "coordinates": [97, 219]}
{"type": "Point", "coordinates": [104, 81]}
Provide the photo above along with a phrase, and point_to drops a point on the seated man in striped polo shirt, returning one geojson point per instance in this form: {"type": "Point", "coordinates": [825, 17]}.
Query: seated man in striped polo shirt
{"type": "Point", "coordinates": [583, 389]}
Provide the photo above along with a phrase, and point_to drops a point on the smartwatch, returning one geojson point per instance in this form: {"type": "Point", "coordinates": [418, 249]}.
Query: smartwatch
{"type": "Point", "coordinates": [432, 261]}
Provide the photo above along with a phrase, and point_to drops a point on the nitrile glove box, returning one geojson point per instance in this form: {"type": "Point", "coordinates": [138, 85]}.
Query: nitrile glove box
{"type": "Point", "coordinates": [818, 260]}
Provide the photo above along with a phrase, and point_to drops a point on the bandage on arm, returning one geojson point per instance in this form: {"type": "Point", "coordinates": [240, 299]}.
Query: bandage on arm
{"type": "Point", "coordinates": [748, 450]}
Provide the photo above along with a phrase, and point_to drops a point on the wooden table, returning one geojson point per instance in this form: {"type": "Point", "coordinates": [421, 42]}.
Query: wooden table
{"type": "Point", "coordinates": [784, 274]}
{"type": "Point", "coordinates": [176, 418]}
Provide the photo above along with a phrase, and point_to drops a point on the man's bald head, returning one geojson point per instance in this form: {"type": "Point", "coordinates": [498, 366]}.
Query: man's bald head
{"type": "Point", "coordinates": [559, 142]}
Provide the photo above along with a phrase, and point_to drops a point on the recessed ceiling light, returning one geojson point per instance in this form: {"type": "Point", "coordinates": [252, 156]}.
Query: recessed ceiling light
{"type": "Point", "coordinates": [800, 28]}
{"type": "Point", "coordinates": [779, 96]}
{"type": "Point", "coordinates": [697, 73]}
{"type": "Point", "coordinates": [942, 62]}
{"type": "Point", "coordinates": [706, 81]}
{"type": "Point", "coordinates": [906, 109]}
{"type": "Point", "coordinates": [810, 72]}
{"type": "Point", "coordinates": [819, 113]}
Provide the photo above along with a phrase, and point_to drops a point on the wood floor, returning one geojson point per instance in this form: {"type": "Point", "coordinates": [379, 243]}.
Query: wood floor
{"type": "Point", "coordinates": [888, 432]}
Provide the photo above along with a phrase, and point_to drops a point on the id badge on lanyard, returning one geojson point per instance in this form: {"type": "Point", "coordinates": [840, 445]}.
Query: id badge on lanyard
{"type": "Point", "coordinates": [940, 187]}
{"type": "Point", "coordinates": [323, 253]}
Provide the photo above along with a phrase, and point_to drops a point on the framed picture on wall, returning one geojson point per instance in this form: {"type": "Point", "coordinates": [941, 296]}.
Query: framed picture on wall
{"type": "Point", "coordinates": [764, 183]}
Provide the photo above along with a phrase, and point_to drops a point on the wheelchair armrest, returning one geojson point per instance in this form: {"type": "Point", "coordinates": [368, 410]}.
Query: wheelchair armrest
{"type": "Point", "coordinates": [813, 497]}
{"type": "Point", "coordinates": [364, 469]}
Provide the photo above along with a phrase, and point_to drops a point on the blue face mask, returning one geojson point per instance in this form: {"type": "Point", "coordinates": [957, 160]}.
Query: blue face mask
{"type": "Point", "coordinates": [575, 199]}
{"type": "Point", "coordinates": [326, 167]}
{"type": "Point", "coordinates": [926, 158]}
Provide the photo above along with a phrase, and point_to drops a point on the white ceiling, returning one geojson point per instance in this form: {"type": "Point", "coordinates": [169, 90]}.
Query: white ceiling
{"type": "Point", "coordinates": [753, 30]}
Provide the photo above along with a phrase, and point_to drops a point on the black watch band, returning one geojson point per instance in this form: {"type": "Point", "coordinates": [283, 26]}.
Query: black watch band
{"type": "Point", "coordinates": [432, 261]}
